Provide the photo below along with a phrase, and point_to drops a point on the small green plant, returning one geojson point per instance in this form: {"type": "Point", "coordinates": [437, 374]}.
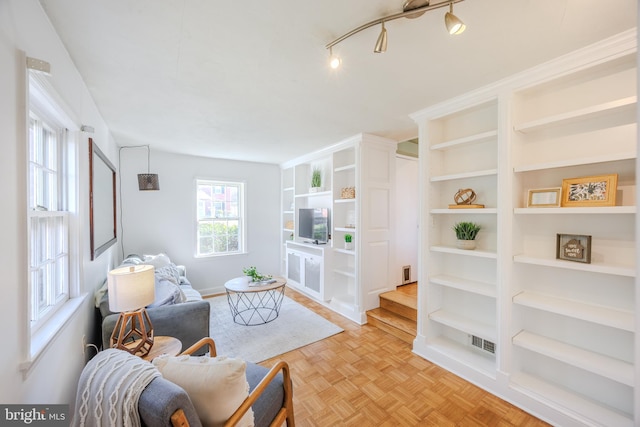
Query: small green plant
{"type": "Point", "coordinates": [347, 238]}
{"type": "Point", "coordinates": [255, 276]}
{"type": "Point", "coordinates": [466, 230]}
{"type": "Point", "coordinates": [316, 177]}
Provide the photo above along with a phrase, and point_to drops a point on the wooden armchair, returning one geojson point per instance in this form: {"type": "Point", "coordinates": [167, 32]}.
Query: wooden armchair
{"type": "Point", "coordinates": [285, 413]}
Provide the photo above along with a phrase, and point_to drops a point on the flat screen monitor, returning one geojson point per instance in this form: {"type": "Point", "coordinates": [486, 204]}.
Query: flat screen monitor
{"type": "Point", "coordinates": [313, 224]}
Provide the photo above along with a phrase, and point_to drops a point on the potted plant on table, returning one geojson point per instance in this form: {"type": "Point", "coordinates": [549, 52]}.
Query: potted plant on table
{"type": "Point", "coordinates": [466, 233]}
{"type": "Point", "coordinates": [252, 272]}
{"type": "Point", "coordinates": [348, 244]}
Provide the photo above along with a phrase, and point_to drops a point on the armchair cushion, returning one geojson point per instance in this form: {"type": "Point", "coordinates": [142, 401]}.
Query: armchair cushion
{"type": "Point", "coordinates": [216, 385]}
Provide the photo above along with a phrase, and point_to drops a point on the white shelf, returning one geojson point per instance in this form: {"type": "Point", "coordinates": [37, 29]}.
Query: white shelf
{"type": "Point", "coordinates": [466, 355]}
{"type": "Point", "coordinates": [287, 212]}
{"type": "Point", "coordinates": [571, 265]}
{"type": "Point", "coordinates": [473, 286]}
{"type": "Point", "coordinates": [605, 366]}
{"type": "Point", "coordinates": [464, 324]}
{"type": "Point", "coordinates": [464, 175]}
{"type": "Point", "coordinates": [607, 316]}
{"type": "Point", "coordinates": [467, 140]}
{"type": "Point", "coordinates": [318, 194]}
{"type": "Point", "coordinates": [345, 251]}
{"type": "Point", "coordinates": [287, 189]}
{"type": "Point", "coordinates": [346, 229]}
{"type": "Point", "coordinates": [288, 230]}
{"type": "Point", "coordinates": [576, 211]}
{"type": "Point", "coordinates": [472, 253]}
{"type": "Point", "coordinates": [577, 161]}
{"type": "Point", "coordinates": [479, 211]}
{"type": "Point", "coordinates": [345, 200]}
{"type": "Point", "coordinates": [345, 168]}
{"type": "Point", "coordinates": [582, 114]}
{"type": "Point", "coordinates": [345, 273]}
{"type": "Point", "coordinates": [343, 302]}
{"type": "Point", "coordinates": [558, 396]}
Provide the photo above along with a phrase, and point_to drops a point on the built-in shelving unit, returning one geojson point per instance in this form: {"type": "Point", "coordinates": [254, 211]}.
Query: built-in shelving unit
{"type": "Point", "coordinates": [563, 332]}
{"type": "Point", "coordinates": [461, 151]}
{"type": "Point", "coordinates": [588, 335]}
{"type": "Point", "coordinates": [366, 163]}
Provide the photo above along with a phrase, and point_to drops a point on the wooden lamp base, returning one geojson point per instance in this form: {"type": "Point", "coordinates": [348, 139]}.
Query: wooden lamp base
{"type": "Point", "coordinates": [133, 333]}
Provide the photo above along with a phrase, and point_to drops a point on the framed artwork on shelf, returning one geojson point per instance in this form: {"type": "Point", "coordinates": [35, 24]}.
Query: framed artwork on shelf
{"type": "Point", "coordinates": [544, 198]}
{"type": "Point", "coordinates": [590, 191]}
{"type": "Point", "coordinates": [573, 247]}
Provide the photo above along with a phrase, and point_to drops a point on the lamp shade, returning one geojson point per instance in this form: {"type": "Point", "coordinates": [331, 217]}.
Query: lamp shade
{"type": "Point", "coordinates": [131, 288]}
{"type": "Point", "coordinates": [148, 182]}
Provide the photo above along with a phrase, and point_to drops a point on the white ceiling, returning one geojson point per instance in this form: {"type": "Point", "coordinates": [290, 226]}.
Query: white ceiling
{"type": "Point", "coordinates": [249, 79]}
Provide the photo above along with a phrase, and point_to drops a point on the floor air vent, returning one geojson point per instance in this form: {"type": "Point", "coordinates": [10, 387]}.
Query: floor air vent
{"type": "Point", "coordinates": [483, 344]}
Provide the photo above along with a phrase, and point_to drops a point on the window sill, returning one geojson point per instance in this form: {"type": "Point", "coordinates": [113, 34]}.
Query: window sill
{"type": "Point", "coordinates": [220, 255]}
{"type": "Point", "coordinates": [47, 333]}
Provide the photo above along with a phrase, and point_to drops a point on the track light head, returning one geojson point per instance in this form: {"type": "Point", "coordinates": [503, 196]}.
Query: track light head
{"type": "Point", "coordinates": [381, 44]}
{"type": "Point", "coordinates": [334, 60]}
{"type": "Point", "coordinates": [454, 25]}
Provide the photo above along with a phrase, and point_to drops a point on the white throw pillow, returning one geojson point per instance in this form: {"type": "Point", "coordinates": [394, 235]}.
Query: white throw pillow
{"type": "Point", "coordinates": [216, 385]}
{"type": "Point", "coordinates": [158, 261]}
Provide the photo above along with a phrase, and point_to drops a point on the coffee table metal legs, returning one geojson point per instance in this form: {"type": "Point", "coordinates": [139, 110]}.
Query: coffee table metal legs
{"type": "Point", "coordinates": [255, 308]}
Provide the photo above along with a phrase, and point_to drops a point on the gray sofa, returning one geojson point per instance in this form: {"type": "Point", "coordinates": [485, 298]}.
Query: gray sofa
{"type": "Point", "coordinates": [178, 310]}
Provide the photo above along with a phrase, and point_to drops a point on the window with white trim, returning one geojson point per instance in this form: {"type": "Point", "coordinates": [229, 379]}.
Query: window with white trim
{"type": "Point", "coordinates": [220, 217]}
{"type": "Point", "coordinates": [52, 190]}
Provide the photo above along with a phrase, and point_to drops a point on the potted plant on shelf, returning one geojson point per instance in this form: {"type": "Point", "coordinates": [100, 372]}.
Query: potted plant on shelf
{"type": "Point", "coordinates": [466, 233]}
{"type": "Point", "coordinates": [348, 244]}
{"type": "Point", "coordinates": [316, 180]}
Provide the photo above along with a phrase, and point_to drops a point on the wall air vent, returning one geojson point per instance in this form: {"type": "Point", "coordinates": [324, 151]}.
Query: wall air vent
{"type": "Point", "coordinates": [482, 344]}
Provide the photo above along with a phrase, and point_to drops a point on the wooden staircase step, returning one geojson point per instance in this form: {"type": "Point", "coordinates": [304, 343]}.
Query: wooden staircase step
{"type": "Point", "coordinates": [399, 309]}
{"type": "Point", "coordinates": [401, 298]}
{"type": "Point", "coordinates": [392, 323]}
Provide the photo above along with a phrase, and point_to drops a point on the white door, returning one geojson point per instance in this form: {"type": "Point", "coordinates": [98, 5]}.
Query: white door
{"type": "Point", "coordinates": [407, 219]}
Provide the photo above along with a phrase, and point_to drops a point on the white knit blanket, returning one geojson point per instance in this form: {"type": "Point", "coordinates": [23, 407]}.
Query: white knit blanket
{"type": "Point", "coordinates": [109, 389]}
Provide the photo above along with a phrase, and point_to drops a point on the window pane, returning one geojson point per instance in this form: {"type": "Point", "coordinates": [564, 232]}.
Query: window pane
{"type": "Point", "coordinates": [220, 201]}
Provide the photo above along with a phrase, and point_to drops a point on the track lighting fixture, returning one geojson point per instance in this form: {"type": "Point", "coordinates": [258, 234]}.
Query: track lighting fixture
{"type": "Point", "coordinates": [454, 24]}
{"type": "Point", "coordinates": [381, 44]}
{"type": "Point", "coordinates": [411, 9]}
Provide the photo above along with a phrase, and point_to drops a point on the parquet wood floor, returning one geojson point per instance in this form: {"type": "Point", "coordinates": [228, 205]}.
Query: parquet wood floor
{"type": "Point", "coordinates": [366, 377]}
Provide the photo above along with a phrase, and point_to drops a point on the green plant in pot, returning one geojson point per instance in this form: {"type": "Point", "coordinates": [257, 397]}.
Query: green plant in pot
{"type": "Point", "coordinates": [255, 276]}
{"type": "Point", "coordinates": [466, 233]}
{"type": "Point", "coordinates": [348, 244]}
{"type": "Point", "coordinates": [316, 179]}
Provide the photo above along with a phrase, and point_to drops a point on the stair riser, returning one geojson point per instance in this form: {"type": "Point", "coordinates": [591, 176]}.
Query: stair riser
{"type": "Point", "coordinates": [404, 336]}
{"type": "Point", "coordinates": [399, 309]}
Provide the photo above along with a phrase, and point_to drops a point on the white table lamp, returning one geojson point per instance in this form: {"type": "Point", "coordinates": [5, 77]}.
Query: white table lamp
{"type": "Point", "coordinates": [131, 289]}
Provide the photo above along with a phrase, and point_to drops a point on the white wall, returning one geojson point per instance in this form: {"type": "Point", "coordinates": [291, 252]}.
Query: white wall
{"type": "Point", "coordinates": [25, 30]}
{"type": "Point", "coordinates": [164, 221]}
{"type": "Point", "coordinates": [407, 218]}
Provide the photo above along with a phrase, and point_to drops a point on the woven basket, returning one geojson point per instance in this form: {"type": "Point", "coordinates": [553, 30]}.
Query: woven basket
{"type": "Point", "coordinates": [348, 193]}
{"type": "Point", "coordinates": [289, 225]}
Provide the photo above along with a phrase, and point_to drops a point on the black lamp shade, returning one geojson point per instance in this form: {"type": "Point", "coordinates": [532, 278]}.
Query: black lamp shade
{"type": "Point", "coordinates": [148, 182]}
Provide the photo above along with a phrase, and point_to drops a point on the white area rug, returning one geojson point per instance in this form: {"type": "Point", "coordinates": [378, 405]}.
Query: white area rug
{"type": "Point", "coordinates": [295, 327]}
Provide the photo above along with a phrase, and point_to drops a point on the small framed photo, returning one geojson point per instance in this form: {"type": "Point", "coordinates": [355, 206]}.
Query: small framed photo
{"type": "Point", "coordinates": [544, 198]}
{"type": "Point", "coordinates": [573, 247]}
{"type": "Point", "coordinates": [590, 191]}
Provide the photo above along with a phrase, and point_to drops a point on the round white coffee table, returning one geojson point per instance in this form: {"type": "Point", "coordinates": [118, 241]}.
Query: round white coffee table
{"type": "Point", "coordinates": [254, 303]}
